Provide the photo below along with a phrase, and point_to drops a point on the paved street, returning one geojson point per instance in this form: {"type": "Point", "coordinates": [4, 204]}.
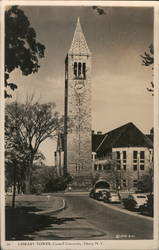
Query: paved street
{"type": "Point", "coordinates": [85, 218]}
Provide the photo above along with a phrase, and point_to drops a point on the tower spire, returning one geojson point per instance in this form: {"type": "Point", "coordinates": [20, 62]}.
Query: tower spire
{"type": "Point", "coordinates": [79, 44]}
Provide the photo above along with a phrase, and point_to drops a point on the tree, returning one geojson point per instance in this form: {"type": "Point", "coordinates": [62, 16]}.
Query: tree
{"type": "Point", "coordinates": [145, 184]}
{"type": "Point", "coordinates": [26, 127]}
{"type": "Point", "coordinates": [148, 60]}
{"type": "Point", "coordinates": [22, 50]}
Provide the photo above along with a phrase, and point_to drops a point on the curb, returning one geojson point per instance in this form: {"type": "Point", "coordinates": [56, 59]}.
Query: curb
{"type": "Point", "coordinates": [53, 210]}
{"type": "Point", "coordinates": [124, 211]}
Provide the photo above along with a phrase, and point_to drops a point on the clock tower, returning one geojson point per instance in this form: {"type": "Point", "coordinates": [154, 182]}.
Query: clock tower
{"type": "Point", "coordinates": [77, 127]}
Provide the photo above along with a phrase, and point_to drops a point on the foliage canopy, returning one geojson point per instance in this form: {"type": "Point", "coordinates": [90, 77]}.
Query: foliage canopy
{"type": "Point", "coordinates": [22, 50]}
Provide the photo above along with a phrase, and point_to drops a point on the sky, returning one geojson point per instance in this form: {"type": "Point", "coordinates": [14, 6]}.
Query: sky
{"type": "Point", "coordinates": [119, 80]}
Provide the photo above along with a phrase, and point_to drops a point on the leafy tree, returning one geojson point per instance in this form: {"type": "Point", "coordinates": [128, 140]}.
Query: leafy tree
{"type": "Point", "coordinates": [22, 50]}
{"type": "Point", "coordinates": [148, 60]}
{"type": "Point", "coordinates": [26, 127]}
{"type": "Point", "coordinates": [41, 175]}
{"type": "Point", "coordinates": [145, 184]}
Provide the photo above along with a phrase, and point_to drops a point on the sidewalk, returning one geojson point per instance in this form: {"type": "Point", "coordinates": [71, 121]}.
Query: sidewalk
{"type": "Point", "coordinates": [30, 214]}
{"type": "Point", "coordinates": [39, 202]}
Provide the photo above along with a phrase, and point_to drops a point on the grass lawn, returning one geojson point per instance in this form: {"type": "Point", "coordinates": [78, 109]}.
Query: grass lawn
{"type": "Point", "coordinates": [22, 220]}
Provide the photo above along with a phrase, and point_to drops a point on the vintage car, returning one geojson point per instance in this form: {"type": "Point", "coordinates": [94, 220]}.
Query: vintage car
{"type": "Point", "coordinates": [134, 201]}
{"type": "Point", "coordinates": [112, 197]}
{"type": "Point", "coordinates": [99, 189]}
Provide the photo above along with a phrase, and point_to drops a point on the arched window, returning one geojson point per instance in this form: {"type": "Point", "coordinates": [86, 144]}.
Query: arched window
{"type": "Point", "coordinates": [84, 70]}
{"type": "Point", "coordinates": [79, 69]}
{"type": "Point", "coordinates": [75, 69]}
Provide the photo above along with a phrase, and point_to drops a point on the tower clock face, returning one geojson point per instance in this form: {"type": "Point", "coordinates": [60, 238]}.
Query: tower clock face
{"type": "Point", "coordinates": [79, 86]}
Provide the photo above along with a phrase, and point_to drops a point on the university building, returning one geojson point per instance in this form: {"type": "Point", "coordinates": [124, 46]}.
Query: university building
{"type": "Point", "coordinates": [122, 156]}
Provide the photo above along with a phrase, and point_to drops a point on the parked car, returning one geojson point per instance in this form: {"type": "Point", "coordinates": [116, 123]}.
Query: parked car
{"type": "Point", "coordinates": [91, 193]}
{"type": "Point", "coordinates": [112, 197]}
{"type": "Point", "coordinates": [100, 194]}
{"type": "Point", "coordinates": [148, 207]}
{"type": "Point", "coordinates": [99, 189]}
{"type": "Point", "coordinates": [134, 201]}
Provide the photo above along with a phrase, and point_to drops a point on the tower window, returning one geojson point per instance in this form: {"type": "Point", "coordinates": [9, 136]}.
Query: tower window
{"type": "Point", "coordinates": [84, 70]}
{"type": "Point", "coordinates": [79, 69]}
{"type": "Point", "coordinates": [75, 69]}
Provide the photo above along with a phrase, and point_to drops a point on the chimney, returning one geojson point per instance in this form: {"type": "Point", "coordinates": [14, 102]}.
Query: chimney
{"type": "Point", "coordinates": [151, 131]}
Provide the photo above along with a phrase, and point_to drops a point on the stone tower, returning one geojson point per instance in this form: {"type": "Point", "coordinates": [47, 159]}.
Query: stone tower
{"type": "Point", "coordinates": [77, 129]}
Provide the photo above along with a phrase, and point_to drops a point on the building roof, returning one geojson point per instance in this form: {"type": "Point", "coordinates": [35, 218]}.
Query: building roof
{"type": "Point", "coordinates": [150, 136]}
{"type": "Point", "coordinates": [127, 135]}
{"type": "Point", "coordinates": [79, 45]}
{"type": "Point", "coordinates": [96, 141]}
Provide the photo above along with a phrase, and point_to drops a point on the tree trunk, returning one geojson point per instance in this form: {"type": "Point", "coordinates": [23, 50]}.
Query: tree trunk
{"type": "Point", "coordinates": [27, 182]}
{"type": "Point", "coordinates": [14, 185]}
{"type": "Point", "coordinates": [28, 176]}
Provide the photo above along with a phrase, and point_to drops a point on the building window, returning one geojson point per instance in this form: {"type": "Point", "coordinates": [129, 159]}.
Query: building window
{"type": "Point", "coordinates": [100, 167]}
{"type": "Point", "coordinates": [107, 167]}
{"type": "Point", "coordinates": [95, 167]}
{"type": "Point", "coordinates": [135, 183]}
{"type": "Point", "coordinates": [118, 154]}
{"type": "Point", "coordinates": [124, 167]}
{"type": "Point", "coordinates": [124, 161]}
{"type": "Point", "coordinates": [135, 167]}
{"type": "Point", "coordinates": [124, 155]}
{"type": "Point", "coordinates": [134, 154]}
{"type": "Point", "coordinates": [142, 154]}
{"type": "Point", "coordinates": [124, 183]}
{"type": "Point", "coordinates": [142, 167]}
{"type": "Point", "coordinates": [118, 167]}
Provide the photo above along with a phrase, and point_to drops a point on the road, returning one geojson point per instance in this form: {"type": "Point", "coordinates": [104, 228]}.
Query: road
{"type": "Point", "coordinates": [85, 218]}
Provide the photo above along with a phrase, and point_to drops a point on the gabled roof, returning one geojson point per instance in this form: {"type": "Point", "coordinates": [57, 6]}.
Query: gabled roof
{"type": "Point", "coordinates": [127, 135]}
{"type": "Point", "coordinates": [150, 136]}
{"type": "Point", "coordinates": [96, 141]}
{"type": "Point", "coordinates": [79, 44]}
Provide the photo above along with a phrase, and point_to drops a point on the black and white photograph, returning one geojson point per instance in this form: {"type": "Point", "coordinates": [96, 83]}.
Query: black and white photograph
{"type": "Point", "coordinates": [79, 89]}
